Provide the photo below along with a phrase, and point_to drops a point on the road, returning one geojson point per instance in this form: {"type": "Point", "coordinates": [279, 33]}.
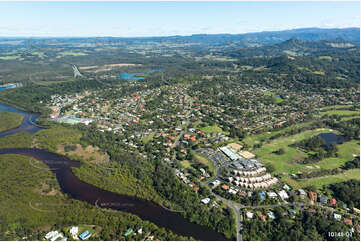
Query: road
{"type": "Point", "coordinates": [176, 141]}
{"type": "Point", "coordinates": [233, 205]}
{"type": "Point", "coordinates": [236, 208]}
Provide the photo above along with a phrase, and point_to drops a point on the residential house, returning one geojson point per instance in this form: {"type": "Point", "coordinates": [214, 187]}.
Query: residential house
{"type": "Point", "coordinates": [292, 212]}
{"type": "Point", "coordinates": [348, 221]}
{"type": "Point", "coordinates": [262, 195]}
{"type": "Point", "coordinates": [337, 216]}
{"type": "Point", "coordinates": [206, 200]}
{"type": "Point", "coordinates": [272, 194]}
{"type": "Point", "coordinates": [283, 194]}
{"type": "Point", "coordinates": [313, 196]}
{"type": "Point", "coordinates": [302, 193]}
{"type": "Point", "coordinates": [261, 216]}
{"type": "Point", "coordinates": [323, 199]}
{"type": "Point", "coordinates": [74, 231]}
{"type": "Point", "coordinates": [225, 187]}
{"type": "Point", "coordinates": [215, 183]}
{"type": "Point", "coordinates": [286, 187]}
{"type": "Point", "coordinates": [249, 215]}
{"type": "Point", "coordinates": [51, 234]}
{"type": "Point", "coordinates": [332, 201]}
{"type": "Point", "coordinates": [271, 215]}
{"type": "Point", "coordinates": [85, 235]}
{"type": "Point", "coordinates": [128, 232]}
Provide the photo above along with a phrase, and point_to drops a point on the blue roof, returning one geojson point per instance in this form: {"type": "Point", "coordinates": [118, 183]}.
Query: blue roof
{"type": "Point", "coordinates": [84, 234]}
{"type": "Point", "coordinates": [262, 194]}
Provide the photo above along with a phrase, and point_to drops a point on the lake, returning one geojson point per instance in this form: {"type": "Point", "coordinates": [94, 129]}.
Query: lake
{"type": "Point", "coordinates": [330, 138]}
{"type": "Point", "coordinates": [134, 77]}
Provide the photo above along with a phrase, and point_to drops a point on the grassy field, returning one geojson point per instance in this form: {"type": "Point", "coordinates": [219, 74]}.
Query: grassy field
{"type": "Point", "coordinates": [335, 107]}
{"type": "Point", "coordinates": [148, 138]}
{"type": "Point", "coordinates": [206, 162]}
{"type": "Point", "coordinates": [351, 117]}
{"type": "Point", "coordinates": [287, 162]}
{"type": "Point", "coordinates": [324, 180]}
{"type": "Point", "coordinates": [211, 129]}
{"type": "Point", "coordinates": [71, 53]}
{"type": "Point", "coordinates": [341, 112]}
{"type": "Point", "coordinates": [278, 99]}
{"type": "Point", "coordinates": [185, 164]}
{"type": "Point", "coordinates": [346, 152]}
{"type": "Point", "coordinates": [325, 57]}
{"type": "Point", "coordinates": [255, 139]}
{"type": "Point", "coordinates": [10, 121]}
{"type": "Point", "coordinates": [319, 73]}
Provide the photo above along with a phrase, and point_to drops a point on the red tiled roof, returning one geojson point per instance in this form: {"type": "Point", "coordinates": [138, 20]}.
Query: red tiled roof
{"type": "Point", "coordinates": [348, 221]}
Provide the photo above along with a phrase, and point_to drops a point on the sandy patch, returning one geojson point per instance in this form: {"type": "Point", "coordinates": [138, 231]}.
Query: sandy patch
{"type": "Point", "coordinates": [90, 153]}
{"type": "Point", "coordinates": [43, 187]}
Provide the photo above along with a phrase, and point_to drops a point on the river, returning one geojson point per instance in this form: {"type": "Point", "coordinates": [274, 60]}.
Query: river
{"type": "Point", "coordinates": [77, 189]}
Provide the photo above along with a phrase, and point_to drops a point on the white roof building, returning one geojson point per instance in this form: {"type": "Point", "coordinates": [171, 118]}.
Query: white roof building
{"type": "Point", "coordinates": [51, 234]}
{"type": "Point", "coordinates": [249, 215]}
{"type": "Point", "coordinates": [286, 187]}
{"type": "Point", "coordinates": [74, 230]}
{"type": "Point", "coordinates": [283, 194]}
{"type": "Point", "coordinates": [271, 215]}
{"type": "Point", "coordinates": [336, 216]}
{"type": "Point", "coordinates": [216, 183]}
{"type": "Point", "coordinates": [232, 191]}
{"type": "Point", "coordinates": [206, 200]}
{"type": "Point", "coordinates": [272, 194]}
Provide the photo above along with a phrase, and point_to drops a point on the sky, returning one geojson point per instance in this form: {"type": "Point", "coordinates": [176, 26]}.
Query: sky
{"type": "Point", "coordinates": [133, 19]}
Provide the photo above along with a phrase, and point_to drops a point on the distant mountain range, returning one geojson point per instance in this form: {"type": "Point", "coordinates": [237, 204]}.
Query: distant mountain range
{"type": "Point", "coordinates": [240, 40]}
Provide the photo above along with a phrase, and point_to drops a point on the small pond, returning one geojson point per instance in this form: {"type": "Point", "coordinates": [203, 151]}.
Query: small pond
{"type": "Point", "coordinates": [330, 138]}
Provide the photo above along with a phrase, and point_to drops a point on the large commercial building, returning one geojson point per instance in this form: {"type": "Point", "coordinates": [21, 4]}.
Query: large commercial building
{"type": "Point", "coordinates": [230, 154]}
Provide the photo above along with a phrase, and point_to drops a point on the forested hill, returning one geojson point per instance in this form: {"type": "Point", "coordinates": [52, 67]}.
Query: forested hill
{"type": "Point", "coordinates": [296, 47]}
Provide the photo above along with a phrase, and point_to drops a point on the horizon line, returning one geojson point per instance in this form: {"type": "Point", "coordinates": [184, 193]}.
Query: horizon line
{"type": "Point", "coordinates": [185, 35]}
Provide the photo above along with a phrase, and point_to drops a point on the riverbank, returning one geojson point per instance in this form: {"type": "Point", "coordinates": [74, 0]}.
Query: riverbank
{"type": "Point", "coordinates": [79, 190]}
